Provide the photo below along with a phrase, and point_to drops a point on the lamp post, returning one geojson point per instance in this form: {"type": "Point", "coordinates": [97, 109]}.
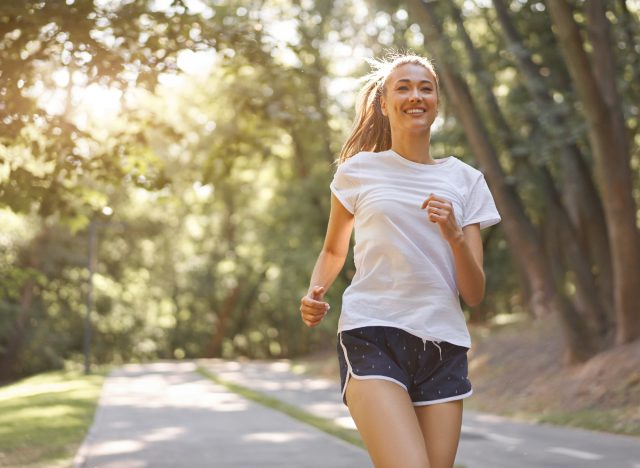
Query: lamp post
{"type": "Point", "coordinates": [93, 241]}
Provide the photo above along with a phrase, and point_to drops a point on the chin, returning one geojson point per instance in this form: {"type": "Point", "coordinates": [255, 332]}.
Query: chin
{"type": "Point", "coordinates": [419, 129]}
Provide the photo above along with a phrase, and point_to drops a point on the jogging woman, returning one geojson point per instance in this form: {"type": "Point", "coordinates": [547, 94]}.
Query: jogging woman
{"type": "Point", "coordinates": [402, 336]}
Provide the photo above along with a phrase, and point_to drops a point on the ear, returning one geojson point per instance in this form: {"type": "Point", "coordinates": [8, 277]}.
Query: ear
{"type": "Point", "coordinates": [383, 105]}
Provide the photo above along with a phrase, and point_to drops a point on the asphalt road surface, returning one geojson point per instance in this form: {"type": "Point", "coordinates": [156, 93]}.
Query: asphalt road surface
{"type": "Point", "coordinates": [167, 415]}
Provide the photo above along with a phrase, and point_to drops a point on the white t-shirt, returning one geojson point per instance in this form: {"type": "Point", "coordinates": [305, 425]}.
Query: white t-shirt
{"type": "Point", "coordinates": [405, 272]}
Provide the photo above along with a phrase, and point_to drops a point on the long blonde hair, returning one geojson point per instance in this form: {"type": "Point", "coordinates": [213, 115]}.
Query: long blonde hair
{"type": "Point", "coordinates": [371, 130]}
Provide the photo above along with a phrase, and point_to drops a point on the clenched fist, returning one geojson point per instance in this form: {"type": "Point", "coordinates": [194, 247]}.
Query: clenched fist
{"type": "Point", "coordinates": [312, 306]}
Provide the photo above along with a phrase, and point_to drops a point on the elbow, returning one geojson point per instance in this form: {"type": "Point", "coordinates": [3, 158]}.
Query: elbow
{"type": "Point", "coordinates": [335, 253]}
{"type": "Point", "coordinates": [474, 300]}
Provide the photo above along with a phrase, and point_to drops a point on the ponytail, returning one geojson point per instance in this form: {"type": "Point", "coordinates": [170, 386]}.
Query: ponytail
{"type": "Point", "coordinates": [371, 130]}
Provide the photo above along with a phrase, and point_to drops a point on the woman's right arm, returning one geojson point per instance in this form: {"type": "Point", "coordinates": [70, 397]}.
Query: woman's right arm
{"type": "Point", "coordinates": [313, 308]}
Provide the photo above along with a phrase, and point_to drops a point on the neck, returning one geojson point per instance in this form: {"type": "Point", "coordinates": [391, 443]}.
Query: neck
{"type": "Point", "coordinates": [414, 147]}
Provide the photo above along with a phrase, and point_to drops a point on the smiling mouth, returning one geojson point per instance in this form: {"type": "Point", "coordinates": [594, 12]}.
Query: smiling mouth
{"type": "Point", "coordinates": [415, 111]}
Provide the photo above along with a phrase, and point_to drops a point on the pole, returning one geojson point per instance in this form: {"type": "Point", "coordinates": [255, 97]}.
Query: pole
{"type": "Point", "coordinates": [87, 321]}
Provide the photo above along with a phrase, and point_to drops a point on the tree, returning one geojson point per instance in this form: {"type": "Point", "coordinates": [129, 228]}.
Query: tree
{"type": "Point", "coordinates": [610, 147]}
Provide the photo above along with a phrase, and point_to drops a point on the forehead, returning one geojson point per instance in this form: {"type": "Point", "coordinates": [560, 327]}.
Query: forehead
{"type": "Point", "coordinates": [412, 72]}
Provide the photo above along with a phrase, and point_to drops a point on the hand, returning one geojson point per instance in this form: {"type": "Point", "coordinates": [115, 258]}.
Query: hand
{"type": "Point", "coordinates": [440, 211]}
{"type": "Point", "coordinates": [312, 307]}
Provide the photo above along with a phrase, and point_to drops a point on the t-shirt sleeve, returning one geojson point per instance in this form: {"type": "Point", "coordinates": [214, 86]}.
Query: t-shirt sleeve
{"type": "Point", "coordinates": [480, 207]}
{"type": "Point", "coordinates": [346, 185]}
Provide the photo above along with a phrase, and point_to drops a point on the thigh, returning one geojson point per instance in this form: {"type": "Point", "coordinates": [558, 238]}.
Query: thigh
{"type": "Point", "coordinates": [387, 423]}
{"type": "Point", "coordinates": [441, 424]}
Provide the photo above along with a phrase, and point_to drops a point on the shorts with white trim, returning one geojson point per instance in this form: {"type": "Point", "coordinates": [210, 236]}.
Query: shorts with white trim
{"type": "Point", "coordinates": [430, 371]}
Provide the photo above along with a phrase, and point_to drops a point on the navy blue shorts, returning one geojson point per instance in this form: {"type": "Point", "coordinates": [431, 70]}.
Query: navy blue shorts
{"type": "Point", "coordinates": [430, 371]}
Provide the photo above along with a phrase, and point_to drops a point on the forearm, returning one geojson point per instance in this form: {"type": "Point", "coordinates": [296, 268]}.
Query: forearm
{"type": "Point", "coordinates": [326, 269]}
{"type": "Point", "coordinates": [469, 272]}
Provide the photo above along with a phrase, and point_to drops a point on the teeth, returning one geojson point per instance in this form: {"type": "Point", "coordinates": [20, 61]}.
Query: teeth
{"type": "Point", "coordinates": [415, 111]}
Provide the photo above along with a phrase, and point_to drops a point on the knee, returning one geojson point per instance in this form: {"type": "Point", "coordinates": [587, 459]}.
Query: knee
{"type": "Point", "coordinates": [405, 460]}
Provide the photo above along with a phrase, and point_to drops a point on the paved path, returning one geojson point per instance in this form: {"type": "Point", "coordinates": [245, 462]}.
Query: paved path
{"type": "Point", "coordinates": [487, 441]}
{"type": "Point", "coordinates": [167, 415]}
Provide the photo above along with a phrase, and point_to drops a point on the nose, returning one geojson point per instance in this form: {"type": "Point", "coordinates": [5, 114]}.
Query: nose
{"type": "Point", "coordinates": [415, 95]}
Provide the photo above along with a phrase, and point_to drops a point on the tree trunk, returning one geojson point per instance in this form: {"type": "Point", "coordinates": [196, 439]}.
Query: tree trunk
{"type": "Point", "coordinates": [12, 350]}
{"type": "Point", "coordinates": [588, 309]}
{"type": "Point", "coordinates": [580, 342]}
{"type": "Point", "coordinates": [579, 192]}
{"type": "Point", "coordinates": [214, 349]}
{"type": "Point", "coordinates": [604, 62]}
{"type": "Point", "coordinates": [503, 130]}
{"type": "Point", "coordinates": [613, 170]}
{"type": "Point", "coordinates": [589, 305]}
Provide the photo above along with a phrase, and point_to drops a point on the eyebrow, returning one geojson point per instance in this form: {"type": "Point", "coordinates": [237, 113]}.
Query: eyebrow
{"type": "Point", "coordinates": [407, 80]}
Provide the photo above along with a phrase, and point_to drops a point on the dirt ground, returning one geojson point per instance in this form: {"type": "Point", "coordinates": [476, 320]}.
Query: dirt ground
{"type": "Point", "coordinates": [517, 370]}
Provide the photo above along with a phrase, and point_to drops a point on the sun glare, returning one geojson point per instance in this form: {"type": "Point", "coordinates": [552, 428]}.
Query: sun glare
{"type": "Point", "coordinates": [85, 104]}
{"type": "Point", "coordinates": [98, 103]}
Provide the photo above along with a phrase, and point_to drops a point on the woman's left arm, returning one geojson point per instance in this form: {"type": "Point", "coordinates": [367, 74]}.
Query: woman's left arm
{"type": "Point", "coordinates": [466, 245]}
{"type": "Point", "coordinates": [468, 257]}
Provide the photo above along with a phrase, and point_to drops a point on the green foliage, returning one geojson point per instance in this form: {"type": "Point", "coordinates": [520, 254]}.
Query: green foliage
{"type": "Point", "coordinates": [217, 180]}
{"type": "Point", "coordinates": [52, 52]}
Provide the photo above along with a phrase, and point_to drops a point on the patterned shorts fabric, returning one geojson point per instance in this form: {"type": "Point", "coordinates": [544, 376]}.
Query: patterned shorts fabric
{"type": "Point", "coordinates": [431, 371]}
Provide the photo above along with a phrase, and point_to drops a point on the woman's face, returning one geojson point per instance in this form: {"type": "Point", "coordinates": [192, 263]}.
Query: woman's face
{"type": "Point", "coordinates": [410, 98]}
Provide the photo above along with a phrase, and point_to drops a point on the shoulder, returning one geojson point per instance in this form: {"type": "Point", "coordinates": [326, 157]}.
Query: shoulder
{"type": "Point", "coordinates": [354, 163]}
{"type": "Point", "coordinates": [358, 158]}
{"type": "Point", "coordinates": [465, 177]}
{"type": "Point", "coordinates": [464, 171]}
{"type": "Point", "coordinates": [465, 167]}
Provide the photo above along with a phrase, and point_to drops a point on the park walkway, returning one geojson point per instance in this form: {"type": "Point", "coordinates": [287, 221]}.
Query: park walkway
{"type": "Point", "coordinates": [168, 415]}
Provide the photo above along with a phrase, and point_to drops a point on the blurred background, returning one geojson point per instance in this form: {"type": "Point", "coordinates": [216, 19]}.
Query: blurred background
{"type": "Point", "coordinates": [164, 172]}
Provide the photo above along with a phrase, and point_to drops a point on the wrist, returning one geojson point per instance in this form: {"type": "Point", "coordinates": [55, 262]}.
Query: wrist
{"type": "Point", "coordinates": [457, 240]}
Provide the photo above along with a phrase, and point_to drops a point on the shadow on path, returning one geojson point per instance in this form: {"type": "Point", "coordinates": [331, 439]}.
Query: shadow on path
{"type": "Point", "coordinates": [167, 415]}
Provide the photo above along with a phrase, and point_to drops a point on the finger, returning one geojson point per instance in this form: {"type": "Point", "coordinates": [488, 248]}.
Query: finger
{"type": "Point", "coordinates": [311, 300]}
{"type": "Point", "coordinates": [307, 301]}
{"type": "Point", "coordinates": [312, 303]}
{"type": "Point", "coordinates": [307, 312]}
{"type": "Point", "coordinates": [426, 202]}
{"type": "Point", "coordinates": [437, 198]}
{"type": "Point", "coordinates": [437, 204]}
{"type": "Point", "coordinates": [317, 292]}
{"type": "Point", "coordinates": [436, 218]}
{"type": "Point", "coordinates": [444, 212]}
{"type": "Point", "coordinates": [313, 314]}
{"type": "Point", "coordinates": [312, 322]}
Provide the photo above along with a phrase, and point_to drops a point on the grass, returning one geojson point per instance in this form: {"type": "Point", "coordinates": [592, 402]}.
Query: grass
{"type": "Point", "coordinates": [609, 420]}
{"type": "Point", "coordinates": [325, 425]}
{"type": "Point", "coordinates": [44, 418]}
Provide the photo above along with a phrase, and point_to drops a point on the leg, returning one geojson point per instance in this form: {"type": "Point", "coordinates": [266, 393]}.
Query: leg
{"type": "Point", "coordinates": [385, 418]}
{"type": "Point", "coordinates": [441, 424]}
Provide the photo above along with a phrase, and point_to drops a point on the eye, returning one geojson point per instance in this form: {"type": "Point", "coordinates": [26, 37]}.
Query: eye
{"type": "Point", "coordinates": [402, 88]}
{"type": "Point", "coordinates": [427, 89]}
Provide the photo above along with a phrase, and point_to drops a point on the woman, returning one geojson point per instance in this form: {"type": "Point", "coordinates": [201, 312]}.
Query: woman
{"type": "Point", "coordinates": [402, 336]}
